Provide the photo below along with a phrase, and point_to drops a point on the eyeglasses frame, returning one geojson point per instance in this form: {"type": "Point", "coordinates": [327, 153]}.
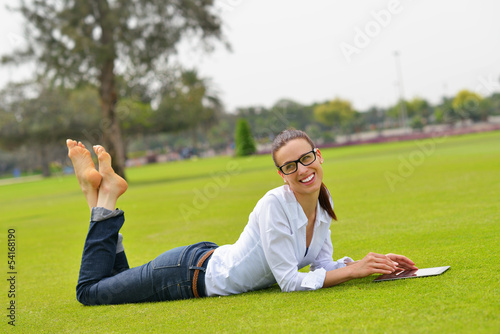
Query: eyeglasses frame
{"type": "Point", "coordinates": [314, 151]}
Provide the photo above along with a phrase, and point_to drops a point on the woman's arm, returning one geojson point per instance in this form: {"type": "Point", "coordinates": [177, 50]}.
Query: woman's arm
{"type": "Point", "coordinates": [372, 263]}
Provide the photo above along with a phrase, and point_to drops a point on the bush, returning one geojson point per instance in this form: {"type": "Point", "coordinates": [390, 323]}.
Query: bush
{"type": "Point", "coordinates": [244, 142]}
{"type": "Point", "coordinates": [417, 123]}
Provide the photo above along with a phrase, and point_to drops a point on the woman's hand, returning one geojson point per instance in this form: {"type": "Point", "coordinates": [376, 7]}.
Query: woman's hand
{"type": "Point", "coordinates": [402, 262]}
{"type": "Point", "coordinates": [374, 263]}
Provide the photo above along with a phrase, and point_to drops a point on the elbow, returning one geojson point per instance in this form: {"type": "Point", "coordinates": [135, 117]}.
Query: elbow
{"type": "Point", "coordinates": [288, 286]}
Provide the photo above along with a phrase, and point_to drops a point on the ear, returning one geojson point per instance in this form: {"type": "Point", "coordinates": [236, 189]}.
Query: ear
{"type": "Point", "coordinates": [320, 157]}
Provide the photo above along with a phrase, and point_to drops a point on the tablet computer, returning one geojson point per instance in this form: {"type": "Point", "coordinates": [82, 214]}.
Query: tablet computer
{"type": "Point", "coordinates": [399, 274]}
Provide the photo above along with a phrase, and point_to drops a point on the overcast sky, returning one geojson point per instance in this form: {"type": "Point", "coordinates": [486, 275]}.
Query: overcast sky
{"type": "Point", "coordinates": [312, 51]}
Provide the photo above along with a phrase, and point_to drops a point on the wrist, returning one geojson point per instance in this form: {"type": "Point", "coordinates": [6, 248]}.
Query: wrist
{"type": "Point", "coordinates": [349, 271]}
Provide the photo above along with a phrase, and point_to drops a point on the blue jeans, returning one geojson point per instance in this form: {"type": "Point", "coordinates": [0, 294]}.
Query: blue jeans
{"type": "Point", "coordinates": [105, 277]}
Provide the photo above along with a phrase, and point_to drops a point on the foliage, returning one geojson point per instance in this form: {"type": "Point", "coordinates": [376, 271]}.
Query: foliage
{"type": "Point", "coordinates": [336, 113]}
{"type": "Point", "coordinates": [244, 143]}
{"type": "Point", "coordinates": [135, 116]}
{"type": "Point", "coordinates": [188, 103]}
{"type": "Point", "coordinates": [190, 111]}
{"type": "Point", "coordinates": [84, 41]}
{"type": "Point", "coordinates": [395, 112]}
{"type": "Point", "coordinates": [220, 136]}
{"type": "Point", "coordinates": [47, 118]}
{"type": "Point", "coordinates": [467, 104]}
{"type": "Point", "coordinates": [445, 111]}
{"type": "Point", "coordinates": [73, 41]}
{"type": "Point", "coordinates": [292, 114]}
{"type": "Point", "coordinates": [417, 123]}
{"type": "Point", "coordinates": [418, 107]}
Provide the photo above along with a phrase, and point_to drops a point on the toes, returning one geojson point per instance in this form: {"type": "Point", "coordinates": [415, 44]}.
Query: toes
{"type": "Point", "coordinates": [70, 143]}
{"type": "Point", "coordinates": [98, 149]}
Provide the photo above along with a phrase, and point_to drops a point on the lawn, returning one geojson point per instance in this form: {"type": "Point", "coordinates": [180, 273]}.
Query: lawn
{"type": "Point", "coordinates": [436, 201]}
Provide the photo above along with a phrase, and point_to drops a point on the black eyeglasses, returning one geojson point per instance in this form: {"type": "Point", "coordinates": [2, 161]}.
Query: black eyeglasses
{"type": "Point", "coordinates": [306, 159]}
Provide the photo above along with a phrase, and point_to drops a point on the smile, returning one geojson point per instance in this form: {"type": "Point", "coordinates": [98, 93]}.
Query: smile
{"type": "Point", "coordinates": [309, 178]}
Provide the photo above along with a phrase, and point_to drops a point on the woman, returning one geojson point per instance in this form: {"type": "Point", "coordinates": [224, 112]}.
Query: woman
{"type": "Point", "coordinates": [287, 230]}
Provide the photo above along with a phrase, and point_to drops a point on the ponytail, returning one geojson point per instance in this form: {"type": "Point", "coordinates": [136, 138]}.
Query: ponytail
{"type": "Point", "coordinates": [324, 201]}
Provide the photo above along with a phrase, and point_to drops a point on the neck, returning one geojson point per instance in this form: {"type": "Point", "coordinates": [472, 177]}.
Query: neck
{"type": "Point", "coordinates": [308, 202]}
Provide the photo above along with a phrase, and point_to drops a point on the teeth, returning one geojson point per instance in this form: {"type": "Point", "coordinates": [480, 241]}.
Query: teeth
{"type": "Point", "coordinates": [308, 179]}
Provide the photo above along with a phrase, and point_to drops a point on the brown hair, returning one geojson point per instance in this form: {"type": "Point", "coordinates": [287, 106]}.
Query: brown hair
{"type": "Point", "coordinates": [281, 140]}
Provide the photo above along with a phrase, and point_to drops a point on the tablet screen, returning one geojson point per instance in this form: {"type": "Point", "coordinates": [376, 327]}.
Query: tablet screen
{"type": "Point", "coordinates": [412, 273]}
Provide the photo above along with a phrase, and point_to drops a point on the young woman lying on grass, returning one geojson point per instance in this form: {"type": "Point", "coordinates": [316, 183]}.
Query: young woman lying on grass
{"type": "Point", "coordinates": [288, 229]}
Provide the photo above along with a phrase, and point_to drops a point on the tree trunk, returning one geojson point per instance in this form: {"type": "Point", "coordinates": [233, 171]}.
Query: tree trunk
{"type": "Point", "coordinates": [45, 161]}
{"type": "Point", "coordinates": [110, 124]}
{"type": "Point", "coordinates": [194, 139]}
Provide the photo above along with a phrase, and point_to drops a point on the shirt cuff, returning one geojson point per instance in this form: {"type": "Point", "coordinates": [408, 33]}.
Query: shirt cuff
{"type": "Point", "coordinates": [344, 261]}
{"type": "Point", "coordinates": [99, 214]}
{"type": "Point", "coordinates": [314, 279]}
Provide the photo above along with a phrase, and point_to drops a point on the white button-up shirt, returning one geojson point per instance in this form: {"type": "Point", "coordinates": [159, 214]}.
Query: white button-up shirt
{"type": "Point", "coordinates": [272, 248]}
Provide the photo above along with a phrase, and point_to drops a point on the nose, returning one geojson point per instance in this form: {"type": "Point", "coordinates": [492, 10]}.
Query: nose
{"type": "Point", "coordinates": [301, 168]}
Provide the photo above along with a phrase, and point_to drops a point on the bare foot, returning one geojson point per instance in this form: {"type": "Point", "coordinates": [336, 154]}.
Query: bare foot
{"type": "Point", "coordinates": [88, 177]}
{"type": "Point", "coordinates": [112, 185]}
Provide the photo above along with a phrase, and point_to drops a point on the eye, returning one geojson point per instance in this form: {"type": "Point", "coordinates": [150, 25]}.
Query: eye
{"type": "Point", "coordinates": [306, 158]}
{"type": "Point", "coordinates": [288, 168]}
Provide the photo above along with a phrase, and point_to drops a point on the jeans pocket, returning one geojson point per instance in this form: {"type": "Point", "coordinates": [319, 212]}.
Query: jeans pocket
{"type": "Point", "coordinates": [182, 290]}
{"type": "Point", "coordinates": [169, 259]}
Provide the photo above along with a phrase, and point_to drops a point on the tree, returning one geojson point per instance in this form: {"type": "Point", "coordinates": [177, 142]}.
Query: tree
{"type": "Point", "coordinates": [419, 108]}
{"type": "Point", "coordinates": [220, 136]}
{"type": "Point", "coordinates": [375, 118]}
{"type": "Point", "coordinates": [42, 117]}
{"type": "Point", "coordinates": [417, 123]}
{"type": "Point", "coordinates": [494, 100]}
{"type": "Point", "coordinates": [467, 104]}
{"type": "Point", "coordinates": [258, 119]}
{"type": "Point", "coordinates": [444, 112]}
{"type": "Point", "coordinates": [395, 112]}
{"type": "Point", "coordinates": [78, 41]}
{"type": "Point", "coordinates": [188, 103]}
{"type": "Point", "coordinates": [244, 142]}
{"type": "Point", "coordinates": [336, 113]}
{"type": "Point", "coordinates": [291, 114]}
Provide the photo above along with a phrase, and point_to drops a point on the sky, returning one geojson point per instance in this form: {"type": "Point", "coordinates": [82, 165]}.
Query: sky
{"type": "Point", "coordinates": [318, 50]}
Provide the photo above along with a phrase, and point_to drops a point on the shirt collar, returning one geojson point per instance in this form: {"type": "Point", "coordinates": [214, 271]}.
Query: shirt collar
{"type": "Point", "coordinates": [322, 215]}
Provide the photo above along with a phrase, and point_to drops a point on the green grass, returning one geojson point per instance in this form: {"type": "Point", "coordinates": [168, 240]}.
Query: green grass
{"type": "Point", "coordinates": [444, 211]}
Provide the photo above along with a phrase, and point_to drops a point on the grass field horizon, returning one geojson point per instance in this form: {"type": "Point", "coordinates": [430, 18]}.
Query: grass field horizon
{"type": "Point", "coordinates": [434, 200]}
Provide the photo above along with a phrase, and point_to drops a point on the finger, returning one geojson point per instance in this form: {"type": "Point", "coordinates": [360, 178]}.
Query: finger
{"type": "Point", "coordinates": [380, 258]}
{"type": "Point", "coordinates": [387, 261]}
{"type": "Point", "coordinates": [400, 258]}
{"type": "Point", "coordinates": [384, 267]}
{"type": "Point", "coordinates": [384, 270]}
{"type": "Point", "coordinates": [407, 266]}
{"type": "Point", "coordinates": [379, 263]}
{"type": "Point", "coordinates": [407, 263]}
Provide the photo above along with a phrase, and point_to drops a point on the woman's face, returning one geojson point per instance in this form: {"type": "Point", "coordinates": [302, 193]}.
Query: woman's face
{"type": "Point", "coordinates": [307, 179]}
